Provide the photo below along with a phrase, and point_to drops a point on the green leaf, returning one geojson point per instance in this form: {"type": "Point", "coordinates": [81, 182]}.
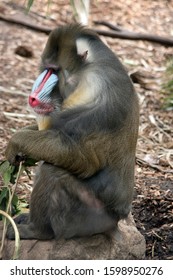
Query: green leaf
{"type": "Point", "coordinates": [7, 177]}
{"type": "Point", "coordinates": [4, 166]}
{"type": "Point", "coordinates": [15, 200]}
{"type": "Point", "coordinates": [23, 204]}
{"type": "Point", "coordinates": [29, 162]}
{"type": "Point", "coordinates": [8, 172]}
{"type": "Point", "coordinates": [29, 4]}
{"type": "Point", "coordinates": [4, 194]}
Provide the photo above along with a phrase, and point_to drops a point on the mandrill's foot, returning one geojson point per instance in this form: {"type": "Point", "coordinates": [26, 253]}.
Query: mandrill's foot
{"type": "Point", "coordinates": [19, 220]}
{"type": "Point", "coordinates": [22, 219]}
{"type": "Point", "coordinates": [27, 230]}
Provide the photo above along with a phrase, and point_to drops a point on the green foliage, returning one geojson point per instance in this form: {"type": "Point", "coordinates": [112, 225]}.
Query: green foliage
{"type": "Point", "coordinates": [4, 198]}
{"type": "Point", "coordinates": [30, 3]}
{"type": "Point", "coordinates": [168, 85]}
{"type": "Point", "coordinates": [9, 174]}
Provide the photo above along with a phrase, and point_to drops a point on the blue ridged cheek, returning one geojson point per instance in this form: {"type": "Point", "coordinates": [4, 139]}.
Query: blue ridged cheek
{"type": "Point", "coordinates": [47, 87]}
{"type": "Point", "coordinates": [38, 81]}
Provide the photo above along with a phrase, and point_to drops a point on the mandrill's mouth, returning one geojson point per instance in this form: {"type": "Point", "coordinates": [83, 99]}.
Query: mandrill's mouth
{"type": "Point", "coordinates": [44, 109]}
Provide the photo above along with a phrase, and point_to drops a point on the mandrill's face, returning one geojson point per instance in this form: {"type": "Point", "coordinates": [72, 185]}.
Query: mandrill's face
{"type": "Point", "coordinates": [64, 64]}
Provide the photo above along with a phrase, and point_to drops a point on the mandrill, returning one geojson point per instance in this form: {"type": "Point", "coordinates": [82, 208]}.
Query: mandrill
{"type": "Point", "coordinates": [86, 133]}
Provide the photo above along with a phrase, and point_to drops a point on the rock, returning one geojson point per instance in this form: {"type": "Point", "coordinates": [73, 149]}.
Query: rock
{"type": "Point", "coordinates": [127, 244]}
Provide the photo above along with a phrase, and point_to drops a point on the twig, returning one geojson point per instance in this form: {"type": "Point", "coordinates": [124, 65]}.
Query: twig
{"type": "Point", "coordinates": [116, 33]}
{"type": "Point", "coordinates": [6, 214]}
{"type": "Point", "coordinates": [136, 36]}
{"type": "Point", "coordinates": [15, 186]}
{"type": "Point", "coordinates": [108, 24]}
{"type": "Point", "coordinates": [152, 250]}
{"type": "Point", "coordinates": [16, 115]}
{"type": "Point", "coordinates": [17, 237]}
{"type": "Point", "coordinates": [31, 13]}
{"type": "Point", "coordinates": [119, 32]}
{"type": "Point", "coordinates": [153, 122]}
{"type": "Point", "coordinates": [158, 236]}
{"type": "Point", "coordinates": [154, 166]}
{"type": "Point", "coordinates": [16, 92]}
{"type": "Point", "coordinates": [30, 25]}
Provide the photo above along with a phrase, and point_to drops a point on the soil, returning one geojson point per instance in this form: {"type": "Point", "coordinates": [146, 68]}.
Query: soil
{"type": "Point", "coordinates": [146, 63]}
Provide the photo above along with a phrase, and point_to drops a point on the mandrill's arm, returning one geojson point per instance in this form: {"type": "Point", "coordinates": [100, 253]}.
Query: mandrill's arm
{"type": "Point", "coordinates": [56, 148]}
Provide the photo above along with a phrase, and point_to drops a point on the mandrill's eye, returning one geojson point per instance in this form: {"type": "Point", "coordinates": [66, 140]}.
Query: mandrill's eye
{"type": "Point", "coordinates": [56, 70]}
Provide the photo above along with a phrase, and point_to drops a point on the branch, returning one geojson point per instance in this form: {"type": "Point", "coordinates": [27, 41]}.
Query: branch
{"type": "Point", "coordinates": [29, 25]}
{"type": "Point", "coordinates": [116, 32]}
{"type": "Point", "coordinates": [17, 237]}
{"type": "Point", "coordinates": [7, 216]}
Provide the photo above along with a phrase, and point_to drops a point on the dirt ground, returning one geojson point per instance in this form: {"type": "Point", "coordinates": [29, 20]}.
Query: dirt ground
{"type": "Point", "coordinates": [145, 62]}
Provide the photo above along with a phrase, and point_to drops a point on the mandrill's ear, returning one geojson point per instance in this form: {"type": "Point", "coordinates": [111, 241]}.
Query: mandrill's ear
{"type": "Point", "coordinates": [83, 49]}
{"type": "Point", "coordinates": [83, 55]}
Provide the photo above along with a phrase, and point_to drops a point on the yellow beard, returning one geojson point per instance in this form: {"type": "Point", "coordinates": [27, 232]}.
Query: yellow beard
{"type": "Point", "coordinates": [44, 122]}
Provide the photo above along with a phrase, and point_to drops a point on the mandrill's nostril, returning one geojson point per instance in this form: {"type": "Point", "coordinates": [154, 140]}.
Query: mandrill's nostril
{"type": "Point", "coordinates": [33, 101]}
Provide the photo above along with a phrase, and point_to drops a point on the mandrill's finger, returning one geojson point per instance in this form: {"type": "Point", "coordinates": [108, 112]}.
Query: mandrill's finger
{"type": "Point", "coordinates": [10, 155]}
{"type": "Point", "coordinates": [13, 157]}
{"type": "Point", "coordinates": [20, 158]}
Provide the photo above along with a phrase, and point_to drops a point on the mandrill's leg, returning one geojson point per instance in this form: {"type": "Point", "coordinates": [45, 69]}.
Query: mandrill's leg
{"type": "Point", "coordinates": [74, 209]}
{"type": "Point", "coordinates": [62, 206]}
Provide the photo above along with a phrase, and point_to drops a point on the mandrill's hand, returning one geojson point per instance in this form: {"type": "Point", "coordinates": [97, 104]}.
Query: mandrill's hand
{"type": "Point", "coordinates": [14, 152]}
